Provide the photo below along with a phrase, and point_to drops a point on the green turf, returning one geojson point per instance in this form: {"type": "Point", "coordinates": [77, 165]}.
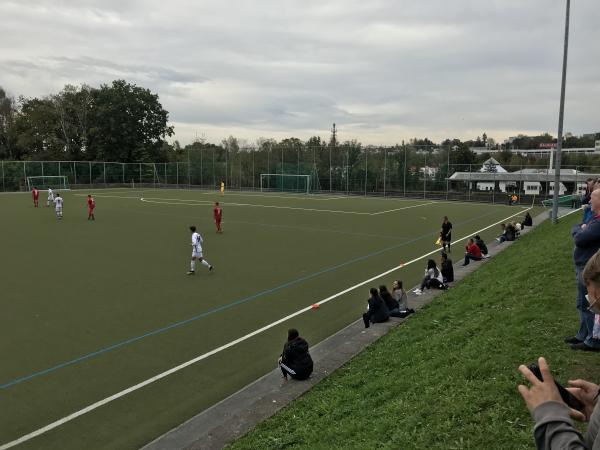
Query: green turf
{"type": "Point", "coordinates": [447, 378]}
{"type": "Point", "coordinates": [74, 287]}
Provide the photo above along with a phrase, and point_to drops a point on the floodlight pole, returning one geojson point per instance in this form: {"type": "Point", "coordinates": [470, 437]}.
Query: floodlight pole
{"type": "Point", "coordinates": [560, 120]}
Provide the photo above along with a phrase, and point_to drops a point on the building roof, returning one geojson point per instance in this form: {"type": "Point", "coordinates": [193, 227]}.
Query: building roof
{"type": "Point", "coordinates": [543, 175]}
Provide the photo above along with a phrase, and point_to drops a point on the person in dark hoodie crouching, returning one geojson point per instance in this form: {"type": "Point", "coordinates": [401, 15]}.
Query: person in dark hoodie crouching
{"type": "Point", "coordinates": [295, 360]}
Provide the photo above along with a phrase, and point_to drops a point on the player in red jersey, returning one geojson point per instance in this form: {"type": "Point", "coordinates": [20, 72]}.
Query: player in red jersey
{"type": "Point", "coordinates": [91, 205]}
{"type": "Point", "coordinates": [36, 195]}
{"type": "Point", "coordinates": [218, 213]}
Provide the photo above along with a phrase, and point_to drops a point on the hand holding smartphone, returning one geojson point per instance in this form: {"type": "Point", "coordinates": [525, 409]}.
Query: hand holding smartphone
{"type": "Point", "coordinates": [567, 397]}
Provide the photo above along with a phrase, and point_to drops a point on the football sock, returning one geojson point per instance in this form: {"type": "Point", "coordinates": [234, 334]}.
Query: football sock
{"type": "Point", "coordinates": [193, 266]}
{"type": "Point", "coordinates": [205, 263]}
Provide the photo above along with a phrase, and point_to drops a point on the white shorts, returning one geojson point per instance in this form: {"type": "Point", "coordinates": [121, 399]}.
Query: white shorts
{"type": "Point", "coordinates": [197, 254]}
{"type": "Point", "coordinates": [59, 209]}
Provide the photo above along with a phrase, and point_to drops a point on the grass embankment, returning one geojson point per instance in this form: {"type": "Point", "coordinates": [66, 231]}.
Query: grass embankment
{"type": "Point", "coordinates": [447, 378]}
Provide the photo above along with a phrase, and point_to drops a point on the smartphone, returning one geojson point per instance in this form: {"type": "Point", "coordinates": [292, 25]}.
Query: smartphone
{"type": "Point", "coordinates": [567, 397]}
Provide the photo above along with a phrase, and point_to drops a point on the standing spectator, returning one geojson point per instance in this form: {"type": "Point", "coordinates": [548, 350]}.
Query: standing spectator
{"type": "Point", "coordinates": [553, 425]}
{"type": "Point", "coordinates": [377, 312]}
{"type": "Point", "coordinates": [585, 200]}
{"type": "Point", "coordinates": [295, 359]}
{"type": "Point", "coordinates": [587, 243]}
{"type": "Point", "coordinates": [400, 296]}
{"type": "Point", "coordinates": [446, 233]}
{"type": "Point", "coordinates": [473, 252]}
{"type": "Point", "coordinates": [432, 279]}
{"type": "Point", "coordinates": [447, 269]}
{"type": "Point", "coordinates": [481, 245]}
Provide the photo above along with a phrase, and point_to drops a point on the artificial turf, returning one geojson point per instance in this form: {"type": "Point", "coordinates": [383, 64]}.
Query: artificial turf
{"type": "Point", "coordinates": [91, 308]}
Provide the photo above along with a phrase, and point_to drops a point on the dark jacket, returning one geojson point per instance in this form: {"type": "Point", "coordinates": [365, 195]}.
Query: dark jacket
{"type": "Point", "coordinates": [510, 233]}
{"type": "Point", "coordinates": [390, 301]}
{"type": "Point", "coordinates": [295, 355]}
{"type": "Point", "coordinates": [528, 221]}
{"type": "Point", "coordinates": [378, 311]}
{"type": "Point", "coordinates": [587, 241]}
{"type": "Point", "coordinates": [481, 246]}
{"type": "Point", "coordinates": [448, 271]}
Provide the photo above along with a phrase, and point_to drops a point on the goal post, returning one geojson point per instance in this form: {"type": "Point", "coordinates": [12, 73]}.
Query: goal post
{"type": "Point", "coordinates": [45, 182]}
{"type": "Point", "coordinates": [285, 182]}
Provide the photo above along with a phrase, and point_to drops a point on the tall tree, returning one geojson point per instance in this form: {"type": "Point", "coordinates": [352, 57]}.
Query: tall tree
{"type": "Point", "coordinates": [128, 124]}
{"type": "Point", "coordinates": [8, 111]}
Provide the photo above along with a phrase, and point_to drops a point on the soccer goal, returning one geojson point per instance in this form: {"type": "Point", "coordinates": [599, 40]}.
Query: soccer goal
{"type": "Point", "coordinates": [284, 182]}
{"type": "Point", "coordinates": [54, 182]}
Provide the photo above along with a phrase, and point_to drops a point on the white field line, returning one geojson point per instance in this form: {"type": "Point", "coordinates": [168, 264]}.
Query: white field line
{"type": "Point", "coordinates": [175, 369]}
{"type": "Point", "coordinates": [318, 197]}
{"type": "Point", "coordinates": [399, 209]}
{"type": "Point", "coordinates": [167, 201]}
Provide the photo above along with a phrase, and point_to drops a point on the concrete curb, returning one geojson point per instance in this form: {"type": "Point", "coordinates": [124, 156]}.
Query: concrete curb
{"type": "Point", "coordinates": [237, 414]}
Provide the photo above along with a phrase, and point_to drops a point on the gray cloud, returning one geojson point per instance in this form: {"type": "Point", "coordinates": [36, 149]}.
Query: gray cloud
{"type": "Point", "coordinates": [382, 70]}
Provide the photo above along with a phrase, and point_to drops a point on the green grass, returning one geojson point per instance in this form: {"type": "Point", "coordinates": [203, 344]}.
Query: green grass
{"type": "Point", "coordinates": [73, 287]}
{"type": "Point", "coordinates": [448, 377]}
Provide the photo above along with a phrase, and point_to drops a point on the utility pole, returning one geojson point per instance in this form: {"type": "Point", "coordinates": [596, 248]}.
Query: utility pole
{"type": "Point", "coordinates": [560, 120]}
{"type": "Point", "coordinates": [332, 143]}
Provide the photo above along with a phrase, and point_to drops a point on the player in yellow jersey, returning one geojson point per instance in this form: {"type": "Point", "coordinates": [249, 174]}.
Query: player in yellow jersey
{"type": "Point", "coordinates": [222, 188]}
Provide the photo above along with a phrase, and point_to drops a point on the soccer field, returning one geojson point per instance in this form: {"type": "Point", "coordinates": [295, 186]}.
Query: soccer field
{"type": "Point", "coordinates": [90, 309]}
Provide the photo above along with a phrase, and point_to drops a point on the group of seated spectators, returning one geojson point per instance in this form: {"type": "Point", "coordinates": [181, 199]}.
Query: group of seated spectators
{"type": "Point", "coordinates": [512, 230]}
{"type": "Point", "coordinates": [383, 304]}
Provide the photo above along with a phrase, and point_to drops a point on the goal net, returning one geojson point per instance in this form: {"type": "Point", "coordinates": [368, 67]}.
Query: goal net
{"type": "Point", "coordinates": [54, 182]}
{"type": "Point", "coordinates": [285, 183]}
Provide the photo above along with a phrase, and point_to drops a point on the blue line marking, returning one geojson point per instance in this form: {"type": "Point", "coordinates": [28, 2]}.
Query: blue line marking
{"type": "Point", "coordinates": [220, 308]}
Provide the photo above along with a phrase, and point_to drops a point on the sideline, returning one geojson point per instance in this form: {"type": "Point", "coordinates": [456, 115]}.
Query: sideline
{"type": "Point", "coordinates": [175, 369]}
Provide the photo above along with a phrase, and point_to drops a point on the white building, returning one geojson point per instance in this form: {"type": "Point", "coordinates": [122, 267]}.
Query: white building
{"type": "Point", "coordinates": [492, 166]}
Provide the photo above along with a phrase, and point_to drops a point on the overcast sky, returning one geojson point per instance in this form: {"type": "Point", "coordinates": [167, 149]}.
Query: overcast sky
{"type": "Point", "coordinates": [382, 70]}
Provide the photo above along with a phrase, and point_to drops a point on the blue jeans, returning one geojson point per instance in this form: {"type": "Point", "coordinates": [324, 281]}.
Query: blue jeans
{"type": "Point", "coordinates": [586, 318]}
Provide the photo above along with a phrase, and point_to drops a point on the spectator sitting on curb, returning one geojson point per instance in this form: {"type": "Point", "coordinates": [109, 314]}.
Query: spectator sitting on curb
{"type": "Point", "coordinates": [400, 296]}
{"type": "Point", "coordinates": [392, 304]}
{"type": "Point", "coordinates": [502, 236]}
{"type": "Point", "coordinates": [295, 359]}
{"type": "Point", "coordinates": [481, 245]}
{"type": "Point", "coordinates": [377, 311]}
{"type": "Point", "coordinates": [447, 269]}
{"type": "Point", "coordinates": [473, 252]}
{"type": "Point", "coordinates": [432, 279]}
{"type": "Point", "coordinates": [527, 221]}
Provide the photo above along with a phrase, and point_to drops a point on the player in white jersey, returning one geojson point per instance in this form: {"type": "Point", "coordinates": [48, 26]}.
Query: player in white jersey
{"type": "Point", "coordinates": [58, 201]}
{"type": "Point", "coordinates": [197, 252]}
{"type": "Point", "coordinates": [50, 197]}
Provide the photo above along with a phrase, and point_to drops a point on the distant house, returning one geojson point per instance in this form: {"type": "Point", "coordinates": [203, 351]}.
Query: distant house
{"type": "Point", "coordinates": [492, 166]}
{"type": "Point", "coordinates": [429, 171]}
{"type": "Point", "coordinates": [562, 190]}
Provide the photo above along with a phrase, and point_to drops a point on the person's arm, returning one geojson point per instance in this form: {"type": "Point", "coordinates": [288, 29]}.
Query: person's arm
{"type": "Point", "coordinates": [588, 235]}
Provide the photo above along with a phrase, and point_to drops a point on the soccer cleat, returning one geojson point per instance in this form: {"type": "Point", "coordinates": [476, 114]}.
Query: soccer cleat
{"type": "Point", "coordinates": [210, 268]}
{"type": "Point", "coordinates": [418, 291]}
{"type": "Point", "coordinates": [191, 272]}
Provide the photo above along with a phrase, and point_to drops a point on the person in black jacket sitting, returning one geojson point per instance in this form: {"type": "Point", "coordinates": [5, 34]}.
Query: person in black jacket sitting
{"type": "Point", "coordinates": [527, 221]}
{"type": "Point", "coordinates": [295, 359]}
{"type": "Point", "coordinates": [481, 245]}
{"type": "Point", "coordinates": [377, 311]}
{"type": "Point", "coordinates": [447, 269]}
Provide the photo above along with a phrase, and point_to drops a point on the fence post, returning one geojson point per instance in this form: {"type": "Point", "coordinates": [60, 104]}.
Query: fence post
{"type": "Point", "coordinates": [253, 174]}
{"type": "Point", "coordinates": [366, 168]}
{"type": "Point", "coordinates": [42, 170]}
{"type": "Point", "coordinates": [104, 167]}
{"type": "Point", "coordinates": [3, 186]}
{"type": "Point", "coordinates": [74, 172]}
{"type": "Point", "coordinates": [24, 174]}
{"type": "Point", "coordinates": [425, 174]}
{"type": "Point", "coordinates": [494, 190]}
{"type": "Point", "coordinates": [201, 164]}
{"type": "Point", "coordinates": [177, 173]}
{"type": "Point", "coordinates": [469, 182]}
{"type": "Point", "coordinates": [384, 168]}
{"type": "Point", "coordinates": [404, 175]}
{"type": "Point", "coordinates": [140, 174]}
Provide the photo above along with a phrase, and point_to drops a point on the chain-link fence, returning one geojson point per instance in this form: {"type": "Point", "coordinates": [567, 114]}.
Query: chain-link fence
{"type": "Point", "coordinates": [353, 170]}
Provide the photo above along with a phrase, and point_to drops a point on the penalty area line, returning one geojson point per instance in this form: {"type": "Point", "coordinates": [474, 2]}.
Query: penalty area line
{"type": "Point", "coordinates": [230, 344]}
